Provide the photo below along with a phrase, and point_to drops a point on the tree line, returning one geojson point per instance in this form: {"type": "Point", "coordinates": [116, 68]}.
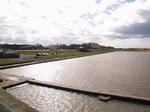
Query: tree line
{"type": "Point", "coordinates": [56, 46]}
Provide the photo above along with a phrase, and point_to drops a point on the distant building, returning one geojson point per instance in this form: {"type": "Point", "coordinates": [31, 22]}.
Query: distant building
{"type": "Point", "coordinates": [8, 54]}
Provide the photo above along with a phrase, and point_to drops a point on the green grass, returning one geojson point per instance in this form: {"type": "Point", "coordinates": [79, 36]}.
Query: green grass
{"type": "Point", "coordinates": [73, 53]}
{"type": "Point", "coordinates": [135, 49]}
{"type": "Point", "coordinates": [130, 49]}
{"type": "Point", "coordinates": [60, 54]}
{"type": "Point", "coordinates": [31, 51]}
{"type": "Point", "coordinates": [13, 61]}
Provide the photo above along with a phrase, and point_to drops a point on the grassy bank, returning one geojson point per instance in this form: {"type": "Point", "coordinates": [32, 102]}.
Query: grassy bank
{"type": "Point", "coordinates": [135, 49]}
{"type": "Point", "coordinates": [70, 53]}
{"type": "Point", "coordinates": [60, 54]}
{"type": "Point", "coordinates": [14, 61]}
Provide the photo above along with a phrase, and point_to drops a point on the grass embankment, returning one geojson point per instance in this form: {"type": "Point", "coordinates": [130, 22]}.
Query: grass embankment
{"type": "Point", "coordinates": [13, 61]}
{"type": "Point", "coordinates": [64, 53]}
{"type": "Point", "coordinates": [135, 49]}
{"type": "Point", "coordinates": [60, 54]}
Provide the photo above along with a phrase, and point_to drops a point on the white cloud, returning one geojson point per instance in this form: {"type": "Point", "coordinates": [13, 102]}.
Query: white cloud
{"type": "Point", "coordinates": [125, 43]}
{"type": "Point", "coordinates": [68, 21]}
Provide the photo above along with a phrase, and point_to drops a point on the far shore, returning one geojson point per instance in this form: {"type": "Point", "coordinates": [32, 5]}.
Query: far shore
{"type": "Point", "coordinates": [30, 57]}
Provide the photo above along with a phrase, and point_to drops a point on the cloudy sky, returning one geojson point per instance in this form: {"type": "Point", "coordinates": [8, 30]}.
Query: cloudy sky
{"type": "Point", "coordinates": [118, 23]}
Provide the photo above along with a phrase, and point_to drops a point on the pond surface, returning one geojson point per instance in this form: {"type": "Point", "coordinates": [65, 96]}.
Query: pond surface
{"type": "Point", "coordinates": [120, 73]}
{"type": "Point", "coordinates": [53, 100]}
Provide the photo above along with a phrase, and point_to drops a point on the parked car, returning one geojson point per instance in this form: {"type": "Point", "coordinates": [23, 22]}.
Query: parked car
{"type": "Point", "coordinates": [42, 54]}
{"type": "Point", "coordinates": [9, 54]}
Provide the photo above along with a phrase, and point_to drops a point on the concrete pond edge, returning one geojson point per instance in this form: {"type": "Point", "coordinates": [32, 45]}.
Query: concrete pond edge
{"type": "Point", "coordinates": [128, 98]}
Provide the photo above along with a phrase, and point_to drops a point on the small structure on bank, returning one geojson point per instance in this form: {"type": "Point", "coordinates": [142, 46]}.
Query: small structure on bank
{"type": "Point", "coordinates": [83, 49]}
{"type": "Point", "coordinates": [8, 54]}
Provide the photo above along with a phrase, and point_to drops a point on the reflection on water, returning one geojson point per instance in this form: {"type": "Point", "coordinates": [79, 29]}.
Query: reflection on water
{"type": "Point", "coordinates": [118, 73]}
{"type": "Point", "coordinates": [51, 100]}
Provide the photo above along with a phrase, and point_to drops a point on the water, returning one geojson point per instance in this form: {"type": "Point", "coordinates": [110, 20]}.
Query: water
{"type": "Point", "coordinates": [52, 100]}
{"type": "Point", "coordinates": [121, 73]}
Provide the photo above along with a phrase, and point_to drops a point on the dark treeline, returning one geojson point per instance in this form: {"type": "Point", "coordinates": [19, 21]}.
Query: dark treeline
{"type": "Point", "coordinates": [57, 46]}
{"type": "Point", "coordinates": [21, 47]}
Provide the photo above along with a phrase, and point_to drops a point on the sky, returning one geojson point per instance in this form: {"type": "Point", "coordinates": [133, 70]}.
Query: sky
{"type": "Point", "coordinates": [117, 23]}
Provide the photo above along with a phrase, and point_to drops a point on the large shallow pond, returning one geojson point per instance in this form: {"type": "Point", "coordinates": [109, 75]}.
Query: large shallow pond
{"type": "Point", "coordinates": [53, 100]}
{"type": "Point", "coordinates": [123, 73]}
